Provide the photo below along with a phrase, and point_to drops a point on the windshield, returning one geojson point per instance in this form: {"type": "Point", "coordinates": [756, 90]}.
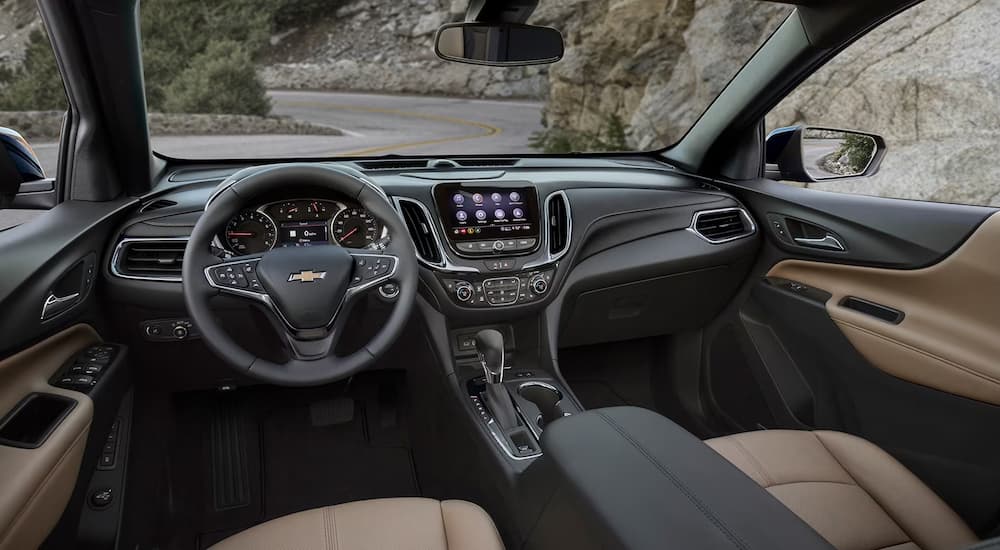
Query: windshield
{"type": "Point", "coordinates": [312, 78]}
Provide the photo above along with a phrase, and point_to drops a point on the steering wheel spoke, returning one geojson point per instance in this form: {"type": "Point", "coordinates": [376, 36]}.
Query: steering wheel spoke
{"type": "Point", "coordinates": [238, 277]}
{"type": "Point", "coordinates": [370, 270]}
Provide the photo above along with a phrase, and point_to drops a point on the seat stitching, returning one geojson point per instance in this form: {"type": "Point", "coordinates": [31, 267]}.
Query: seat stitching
{"type": "Point", "coordinates": [444, 525]}
{"type": "Point", "coordinates": [333, 528]}
{"type": "Point", "coordinates": [768, 480]}
{"type": "Point", "coordinates": [823, 481]}
{"type": "Point", "coordinates": [867, 492]}
{"type": "Point", "coordinates": [733, 538]}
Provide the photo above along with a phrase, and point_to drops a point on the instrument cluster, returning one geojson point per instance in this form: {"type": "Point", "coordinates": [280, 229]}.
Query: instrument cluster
{"type": "Point", "coordinates": [302, 222]}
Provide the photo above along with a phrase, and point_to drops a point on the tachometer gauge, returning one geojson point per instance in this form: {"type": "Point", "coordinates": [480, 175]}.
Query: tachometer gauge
{"type": "Point", "coordinates": [354, 228]}
{"type": "Point", "coordinates": [250, 232]}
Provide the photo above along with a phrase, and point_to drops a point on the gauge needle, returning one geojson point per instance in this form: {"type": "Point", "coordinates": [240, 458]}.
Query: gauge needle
{"type": "Point", "coordinates": [349, 233]}
{"type": "Point", "coordinates": [240, 234]}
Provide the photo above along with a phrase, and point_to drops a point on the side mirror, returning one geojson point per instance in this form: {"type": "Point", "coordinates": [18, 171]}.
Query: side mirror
{"type": "Point", "coordinates": [22, 181]}
{"type": "Point", "coordinates": [809, 154]}
{"type": "Point", "coordinates": [498, 44]}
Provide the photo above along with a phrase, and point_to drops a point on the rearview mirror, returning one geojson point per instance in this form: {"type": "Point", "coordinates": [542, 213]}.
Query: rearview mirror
{"type": "Point", "coordinates": [499, 44]}
{"type": "Point", "coordinates": [810, 154]}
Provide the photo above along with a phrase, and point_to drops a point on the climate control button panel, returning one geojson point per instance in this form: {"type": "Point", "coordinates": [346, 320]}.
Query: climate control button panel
{"type": "Point", "coordinates": [509, 290]}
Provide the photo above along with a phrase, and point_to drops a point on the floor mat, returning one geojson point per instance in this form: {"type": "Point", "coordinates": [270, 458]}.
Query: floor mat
{"type": "Point", "coordinates": [306, 465]}
{"type": "Point", "coordinates": [243, 457]}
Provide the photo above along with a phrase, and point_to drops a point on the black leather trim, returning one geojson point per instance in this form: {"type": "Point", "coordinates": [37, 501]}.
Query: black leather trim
{"type": "Point", "coordinates": [631, 478]}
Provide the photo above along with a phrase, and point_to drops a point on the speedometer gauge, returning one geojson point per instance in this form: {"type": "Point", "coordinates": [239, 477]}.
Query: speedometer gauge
{"type": "Point", "coordinates": [250, 232]}
{"type": "Point", "coordinates": [354, 228]}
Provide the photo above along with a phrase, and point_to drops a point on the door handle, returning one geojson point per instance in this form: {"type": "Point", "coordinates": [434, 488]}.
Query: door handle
{"type": "Point", "coordinates": [54, 305]}
{"type": "Point", "coordinates": [826, 242]}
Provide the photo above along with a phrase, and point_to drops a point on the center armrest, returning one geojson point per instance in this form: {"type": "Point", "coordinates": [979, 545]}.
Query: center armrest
{"type": "Point", "coordinates": [626, 477]}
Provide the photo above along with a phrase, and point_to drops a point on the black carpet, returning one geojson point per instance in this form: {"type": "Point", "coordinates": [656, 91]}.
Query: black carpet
{"type": "Point", "coordinates": [243, 457]}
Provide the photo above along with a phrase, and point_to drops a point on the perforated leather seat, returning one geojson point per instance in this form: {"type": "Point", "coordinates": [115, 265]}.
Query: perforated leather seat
{"type": "Point", "coordinates": [418, 523]}
{"type": "Point", "coordinates": [849, 490]}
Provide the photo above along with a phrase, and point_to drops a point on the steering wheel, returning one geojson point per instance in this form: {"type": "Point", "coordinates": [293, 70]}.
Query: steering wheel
{"type": "Point", "coordinates": [307, 291]}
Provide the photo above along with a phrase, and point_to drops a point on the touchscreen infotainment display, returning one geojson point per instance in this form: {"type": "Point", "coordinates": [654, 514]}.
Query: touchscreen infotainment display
{"type": "Point", "coordinates": [482, 213]}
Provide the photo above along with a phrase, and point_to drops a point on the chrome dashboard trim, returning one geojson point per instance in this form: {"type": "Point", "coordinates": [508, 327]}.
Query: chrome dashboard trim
{"type": "Point", "coordinates": [549, 256]}
{"type": "Point", "coordinates": [743, 214]}
{"type": "Point", "coordinates": [120, 246]}
{"type": "Point", "coordinates": [445, 264]}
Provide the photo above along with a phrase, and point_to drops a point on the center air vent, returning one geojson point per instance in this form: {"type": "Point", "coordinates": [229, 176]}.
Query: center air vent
{"type": "Point", "coordinates": [158, 260]}
{"type": "Point", "coordinates": [719, 226]}
{"type": "Point", "coordinates": [557, 209]}
{"type": "Point", "coordinates": [420, 231]}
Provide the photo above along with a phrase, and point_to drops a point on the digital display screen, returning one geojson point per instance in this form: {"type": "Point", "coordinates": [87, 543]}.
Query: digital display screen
{"type": "Point", "coordinates": [486, 213]}
{"type": "Point", "coordinates": [303, 233]}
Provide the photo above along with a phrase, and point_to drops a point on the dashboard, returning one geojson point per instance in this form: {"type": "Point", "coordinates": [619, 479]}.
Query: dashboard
{"type": "Point", "coordinates": [301, 222]}
{"type": "Point", "coordinates": [610, 250]}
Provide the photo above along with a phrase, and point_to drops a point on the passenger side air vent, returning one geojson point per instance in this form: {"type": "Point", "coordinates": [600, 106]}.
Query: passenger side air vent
{"type": "Point", "coordinates": [557, 209]}
{"type": "Point", "coordinates": [156, 205]}
{"type": "Point", "coordinates": [719, 226]}
{"type": "Point", "coordinates": [417, 222]}
{"type": "Point", "coordinates": [394, 164]}
{"type": "Point", "coordinates": [158, 260]}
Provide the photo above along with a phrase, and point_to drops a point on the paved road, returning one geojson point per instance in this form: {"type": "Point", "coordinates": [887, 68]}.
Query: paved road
{"type": "Point", "coordinates": [373, 125]}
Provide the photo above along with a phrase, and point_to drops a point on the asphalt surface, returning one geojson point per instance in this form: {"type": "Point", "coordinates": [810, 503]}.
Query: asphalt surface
{"type": "Point", "coordinates": [373, 125]}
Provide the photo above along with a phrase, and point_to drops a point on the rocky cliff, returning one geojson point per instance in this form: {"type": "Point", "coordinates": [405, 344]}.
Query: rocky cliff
{"type": "Point", "coordinates": [929, 82]}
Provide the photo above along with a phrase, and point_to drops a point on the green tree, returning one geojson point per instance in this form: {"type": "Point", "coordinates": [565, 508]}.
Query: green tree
{"type": "Point", "coordinates": [35, 85]}
{"type": "Point", "coordinates": [221, 79]}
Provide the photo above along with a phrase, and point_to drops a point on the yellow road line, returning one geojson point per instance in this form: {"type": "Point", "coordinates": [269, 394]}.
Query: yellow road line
{"type": "Point", "coordinates": [489, 130]}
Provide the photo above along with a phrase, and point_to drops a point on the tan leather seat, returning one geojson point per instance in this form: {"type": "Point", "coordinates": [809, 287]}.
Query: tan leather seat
{"type": "Point", "coordinates": [850, 491]}
{"type": "Point", "coordinates": [418, 523]}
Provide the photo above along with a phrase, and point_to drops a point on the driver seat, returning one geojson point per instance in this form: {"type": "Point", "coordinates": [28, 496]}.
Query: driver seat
{"type": "Point", "coordinates": [374, 525]}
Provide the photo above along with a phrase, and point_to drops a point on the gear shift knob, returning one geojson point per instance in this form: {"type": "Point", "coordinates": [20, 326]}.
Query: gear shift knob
{"type": "Point", "coordinates": [489, 345]}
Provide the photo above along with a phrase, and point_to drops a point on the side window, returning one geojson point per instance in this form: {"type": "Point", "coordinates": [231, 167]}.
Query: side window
{"type": "Point", "coordinates": [32, 108]}
{"type": "Point", "coordinates": [928, 82]}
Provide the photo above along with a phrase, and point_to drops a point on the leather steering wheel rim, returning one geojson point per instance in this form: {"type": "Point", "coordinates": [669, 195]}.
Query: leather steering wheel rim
{"type": "Point", "coordinates": [238, 192]}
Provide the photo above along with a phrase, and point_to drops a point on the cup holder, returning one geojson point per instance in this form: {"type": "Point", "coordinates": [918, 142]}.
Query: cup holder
{"type": "Point", "coordinates": [547, 398]}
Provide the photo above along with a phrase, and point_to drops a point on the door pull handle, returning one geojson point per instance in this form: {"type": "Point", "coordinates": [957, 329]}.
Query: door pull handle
{"type": "Point", "coordinates": [827, 242]}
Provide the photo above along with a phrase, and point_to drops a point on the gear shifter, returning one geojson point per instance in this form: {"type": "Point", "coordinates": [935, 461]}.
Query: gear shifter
{"type": "Point", "coordinates": [489, 345]}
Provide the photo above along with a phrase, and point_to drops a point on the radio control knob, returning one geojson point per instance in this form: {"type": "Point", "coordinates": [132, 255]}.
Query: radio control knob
{"type": "Point", "coordinates": [538, 284]}
{"type": "Point", "coordinates": [463, 291]}
{"type": "Point", "coordinates": [498, 246]}
{"type": "Point", "coordinates": [180, 332]}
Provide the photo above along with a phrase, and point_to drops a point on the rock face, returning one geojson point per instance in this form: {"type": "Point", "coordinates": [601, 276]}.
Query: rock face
{"type": "Point", "coordinates": [928, 81]}
{"type": "Point", "coordinates": [653, 64]}
{"type": "Point", "coordinates": [380, 46]}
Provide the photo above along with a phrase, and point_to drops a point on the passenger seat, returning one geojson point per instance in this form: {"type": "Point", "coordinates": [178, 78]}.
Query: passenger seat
{"type": "Point", "coordinates": [849, 490]}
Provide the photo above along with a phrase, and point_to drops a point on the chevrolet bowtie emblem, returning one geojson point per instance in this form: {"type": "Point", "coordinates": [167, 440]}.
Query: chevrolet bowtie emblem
{"type": "Point", "coordinates": [306, 276]}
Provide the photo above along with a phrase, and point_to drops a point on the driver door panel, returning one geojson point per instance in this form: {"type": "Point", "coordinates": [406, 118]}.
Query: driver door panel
{"type": "Point", "coordinates": [40, 481]}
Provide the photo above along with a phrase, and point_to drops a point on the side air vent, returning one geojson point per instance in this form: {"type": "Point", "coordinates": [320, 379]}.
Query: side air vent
{"type": "Point", "coordinates": [157, 260]}
{"type": "Point", "coordinates": [156, 205]}
{"type": "Point", "coordinates": [400, 164]}
{"type": "Point", "coordinates": [719, 226]}
{"type": "Point", "coordinates": [557, 209]}
{"type": "Point", "coordinates": [417, 222]}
